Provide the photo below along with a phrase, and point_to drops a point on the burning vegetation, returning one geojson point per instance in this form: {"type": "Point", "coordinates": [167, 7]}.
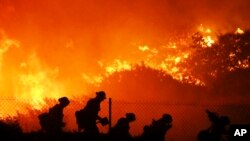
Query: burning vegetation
{"type": "Point", "coordinates": [188, 66]}
{"type": "Point", "coordinates": [138, 52]}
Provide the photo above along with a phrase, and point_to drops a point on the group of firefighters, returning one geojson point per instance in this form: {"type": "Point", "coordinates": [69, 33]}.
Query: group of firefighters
{"type": "Point", "coordinates": [87, 119]}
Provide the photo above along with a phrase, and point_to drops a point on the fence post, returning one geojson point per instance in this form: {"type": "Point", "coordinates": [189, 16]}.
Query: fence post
{"type": "Point", "coordinates": [110, 113]}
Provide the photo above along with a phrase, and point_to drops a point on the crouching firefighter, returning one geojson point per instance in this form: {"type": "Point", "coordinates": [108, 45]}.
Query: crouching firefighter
{"type": "Point", "coordinates": [88, 118]}
{"type": "Point", "coordinates": [52, 122]}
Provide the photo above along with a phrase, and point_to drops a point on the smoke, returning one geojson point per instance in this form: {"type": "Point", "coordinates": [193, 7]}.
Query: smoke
{"type": "Point", "coordinates": [111, 20]}
{"type": "Point", "coordinates": [5, 44]}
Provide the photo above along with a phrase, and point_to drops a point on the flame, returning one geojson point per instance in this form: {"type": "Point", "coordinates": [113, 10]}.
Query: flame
{"type": "Point", "coordinates": [177, 60]}
{"type": "Point", "coordinates": [172, 45]}
{"type": "Point", "coordinates": [37, 83]}
{"type": "Point", "coordinates": [203, 29]}
{"type": "Point", "coordinates": [209, 41]}
{"type": "Point", "coordinates": [71, 44]}
{"type": "Point", "coordinates": [6, 100]}
{"type": "Point", "coordinates": [143, 48]}
{"type": "Point", "coordinates": [168, 63]}
{"type": "Point", "coordinates": [208, 36]}
{"type": "Point", "coordinates": [239, 31]}
{"type": "Point", "coordinates": [93, 79]}
{"type": "Point", "coordinates": [117, 66]}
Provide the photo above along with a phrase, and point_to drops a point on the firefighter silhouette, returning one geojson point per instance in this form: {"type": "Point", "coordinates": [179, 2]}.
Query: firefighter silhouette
{"type": "Point", "coordinates": [52, 122]}
{"type": "Point", "coordinates": [121, 130]}
{"type": "Point", "coordinates": [87, 118]}
{"type": "Point", "coordinates": [158, 128]}
{"type": "Point", "coordinates": [218, 130]}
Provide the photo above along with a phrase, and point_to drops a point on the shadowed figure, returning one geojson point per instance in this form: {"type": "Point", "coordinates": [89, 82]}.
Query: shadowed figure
{"type": "Point", "coordinates": [10, 129]}
{"type": "Point", "coordinates": [52, 122]}
{"type": "Point", "coordinates": [158, 128]}
{"type": "Point", "coordinates": [218, 131]}
{"type": "Point", "coordinates": [120, 132]}
{"type": "Point", "coordinates": [88, 117]}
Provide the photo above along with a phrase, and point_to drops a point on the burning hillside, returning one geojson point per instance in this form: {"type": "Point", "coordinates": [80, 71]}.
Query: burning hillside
{"type": "Point", "coordinates": [167, 52]}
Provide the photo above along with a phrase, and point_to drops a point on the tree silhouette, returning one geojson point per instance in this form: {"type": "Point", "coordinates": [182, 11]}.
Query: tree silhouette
{"type": "Point", "coordinates": [231, 52]}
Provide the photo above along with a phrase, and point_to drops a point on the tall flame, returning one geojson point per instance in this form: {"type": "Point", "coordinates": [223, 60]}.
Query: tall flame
{"type": "Point", "coordinates": [37, 83]}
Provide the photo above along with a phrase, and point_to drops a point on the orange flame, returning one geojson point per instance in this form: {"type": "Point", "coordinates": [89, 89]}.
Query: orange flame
{"type": "Point", "coordinates": [208, 36]}
{"type": "Point", "coordinates": [37, 83]}
{"type": "Point", "coordinates": [239, 31]}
